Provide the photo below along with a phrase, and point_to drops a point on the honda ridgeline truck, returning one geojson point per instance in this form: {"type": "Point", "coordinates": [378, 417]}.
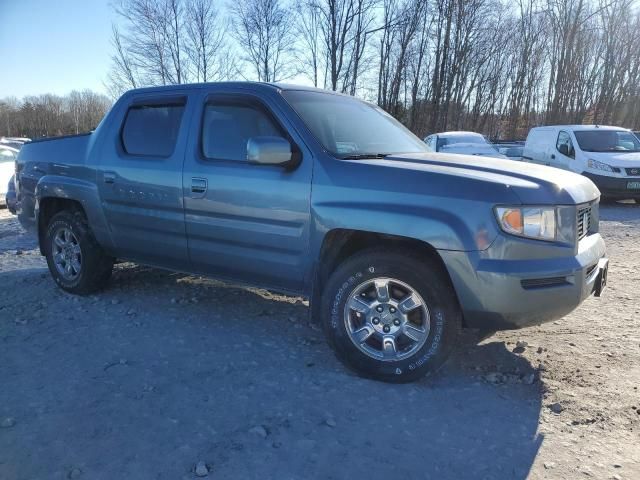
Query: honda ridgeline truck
{"type": "Point", "coordinates": [322, 195]}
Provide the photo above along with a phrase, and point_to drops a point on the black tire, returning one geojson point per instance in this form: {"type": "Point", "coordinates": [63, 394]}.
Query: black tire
{"type": "Point", "coordinates": [427, 277]}
{"type": "Point", "coordinates": [96, 265]}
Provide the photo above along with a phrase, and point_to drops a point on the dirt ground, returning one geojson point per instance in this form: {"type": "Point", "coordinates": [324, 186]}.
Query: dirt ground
{"type": "Point", "coordinates": [163, 371]}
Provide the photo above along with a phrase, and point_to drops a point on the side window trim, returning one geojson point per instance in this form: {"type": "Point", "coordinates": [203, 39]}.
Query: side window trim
{"type": "Point", "coordinates": [234, 98]}
{"type": "Point", "coordinates": [163, 101]}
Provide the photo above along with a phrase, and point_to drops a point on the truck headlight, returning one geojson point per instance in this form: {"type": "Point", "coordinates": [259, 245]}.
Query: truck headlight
{"type": "Point", "coordinates": [596, 165]}
{"type": "Point", "coordinates": [538, 223]}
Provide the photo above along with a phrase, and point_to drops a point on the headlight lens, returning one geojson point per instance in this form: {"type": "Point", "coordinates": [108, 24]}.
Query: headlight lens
{"type": "Point", "coordinates": [599, 166]}
{"type": "Point", "coordinates": [532, 222]}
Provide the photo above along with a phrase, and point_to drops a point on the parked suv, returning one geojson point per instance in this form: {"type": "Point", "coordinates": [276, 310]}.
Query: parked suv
{"type": "Point", "coordinates": [608, 156]}
{"type": "Point", "coordinates": [317, 194]}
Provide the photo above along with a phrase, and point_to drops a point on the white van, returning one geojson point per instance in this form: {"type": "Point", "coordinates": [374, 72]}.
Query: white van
{"type": "Point", "coordinates": [609, 156]}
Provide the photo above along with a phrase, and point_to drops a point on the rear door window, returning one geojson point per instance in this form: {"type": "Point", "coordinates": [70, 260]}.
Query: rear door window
{"type": "Point", "coordinates": [152, 129]}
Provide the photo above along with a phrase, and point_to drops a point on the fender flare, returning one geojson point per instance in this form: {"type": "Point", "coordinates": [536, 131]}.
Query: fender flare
{"type": "Point", "coordinates": [81, 191]}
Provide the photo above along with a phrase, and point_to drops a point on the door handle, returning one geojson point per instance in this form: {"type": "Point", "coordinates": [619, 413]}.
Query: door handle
{"type": "Point", "coordinates": [553, 156]}
{"type": "Point", "coordinates": [109, 177]}
{"type": "Point", "coordinates": [198, 187]}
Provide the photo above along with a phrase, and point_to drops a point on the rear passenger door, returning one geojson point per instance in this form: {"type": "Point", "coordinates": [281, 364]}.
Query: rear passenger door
{"type": "Point", "coordinates": [246, 222]}
{"type": "Point", "coordinates": [140, 179]}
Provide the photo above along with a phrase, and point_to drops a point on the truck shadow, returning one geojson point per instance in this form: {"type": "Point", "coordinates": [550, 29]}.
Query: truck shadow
{"type": "Point", "coordinates": [164, 369]}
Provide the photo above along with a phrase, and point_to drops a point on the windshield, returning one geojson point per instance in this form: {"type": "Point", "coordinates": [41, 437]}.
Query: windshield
{"type": "Point", "coordinates": [350, 128]}
{"type": "Point", "coordinates": [607, 141]}
{"type": "Point", "coordinates": [457, 139]}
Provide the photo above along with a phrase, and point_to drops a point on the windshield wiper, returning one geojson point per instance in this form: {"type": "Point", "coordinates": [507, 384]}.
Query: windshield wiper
{"type": "Point", "coordinates": [362, 156]}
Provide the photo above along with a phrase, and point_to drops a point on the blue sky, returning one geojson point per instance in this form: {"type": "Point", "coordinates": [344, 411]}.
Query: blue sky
{"type": "Point", "coordinates": [54, 46]}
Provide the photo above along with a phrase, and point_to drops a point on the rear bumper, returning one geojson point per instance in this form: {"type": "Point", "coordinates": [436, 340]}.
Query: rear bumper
{"type": "Point", "coordinates": [498, 294]}
{"type": "Point", "coordinates": [614, 187]}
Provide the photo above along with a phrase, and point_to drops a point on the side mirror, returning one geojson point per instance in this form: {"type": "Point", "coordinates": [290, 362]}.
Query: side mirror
{"type": "Point", "coordinates": [564, 149]}
{"type": "Point", "coordinates": [269, 151]}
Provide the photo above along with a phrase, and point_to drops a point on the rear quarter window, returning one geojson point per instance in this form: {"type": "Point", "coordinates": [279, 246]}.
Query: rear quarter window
{"type": "Point", "coordinates": [151, 130]}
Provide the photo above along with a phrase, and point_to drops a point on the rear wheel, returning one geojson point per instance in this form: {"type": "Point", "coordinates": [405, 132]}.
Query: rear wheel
{"type": "Point", "coordinates": [391, 316]}
{"type": "Point", "coordinates": [76, 262]}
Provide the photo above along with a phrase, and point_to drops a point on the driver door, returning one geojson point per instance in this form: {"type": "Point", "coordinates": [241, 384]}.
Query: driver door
{"type": "Point", "coordinates": [245, 222]}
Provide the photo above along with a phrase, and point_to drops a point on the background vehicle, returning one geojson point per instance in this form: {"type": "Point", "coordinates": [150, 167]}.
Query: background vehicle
{"type": "Point", "coordinates": [10, 192]}
{"type": "Point", "coordinates": [8, 157]}
{"type": "Point", "coordinates": [396, 247]}
{"type": "Point", "coordinates": [466, 143]}
{"type": "Point", "coordinates": [609, 156]}
{"type": "Point", "coordinates": [510, 149]}
{"type": "Point", "coordinates": [10, 197]}
{"type": "Point", "coordinates": [14, 142]}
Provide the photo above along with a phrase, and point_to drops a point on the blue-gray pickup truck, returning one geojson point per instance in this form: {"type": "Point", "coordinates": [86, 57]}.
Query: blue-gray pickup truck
{"type": "Point", "coordinates": [317, 194]}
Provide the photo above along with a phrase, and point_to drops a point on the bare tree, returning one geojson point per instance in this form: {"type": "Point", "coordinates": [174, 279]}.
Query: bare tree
{"type": "Point", "coordinates": [168, 42]}
{"type": "Point", "coordinates": [308, 51]}
{"type": "Point", "coordinates": [207, 46]}
{"type": "Point", "coordinates": [402, 22]}
{"type": "Point", "coordinates": [263, 31]}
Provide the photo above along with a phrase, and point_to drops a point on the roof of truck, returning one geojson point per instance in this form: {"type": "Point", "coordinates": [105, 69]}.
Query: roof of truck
{"type": "Point", "coordinates": [247, 85]}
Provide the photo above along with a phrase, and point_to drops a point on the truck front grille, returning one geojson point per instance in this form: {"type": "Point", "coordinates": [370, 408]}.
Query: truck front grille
{"type": "Point", "coordinates": [584, 222]}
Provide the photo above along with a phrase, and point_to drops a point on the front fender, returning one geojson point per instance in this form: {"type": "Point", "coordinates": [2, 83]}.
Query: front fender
{"type": "Point", "coordinates": [467, 227]}
{"type": "Point", "coordinates": [82, 191]}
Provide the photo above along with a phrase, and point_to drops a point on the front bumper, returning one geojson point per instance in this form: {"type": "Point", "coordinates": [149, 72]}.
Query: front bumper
{"type": "Point", "coordinates": [614, 187]}
{"type": "Point", "coordinates": [499, 294]}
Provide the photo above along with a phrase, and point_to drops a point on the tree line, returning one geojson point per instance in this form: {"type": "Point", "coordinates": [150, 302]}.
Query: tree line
{"type": "Point", "coordinates": [51, 115]}
{"type": "Point", "coordinates": [493, 66]}
{"type": "Point", "coordinates": [497, 67]}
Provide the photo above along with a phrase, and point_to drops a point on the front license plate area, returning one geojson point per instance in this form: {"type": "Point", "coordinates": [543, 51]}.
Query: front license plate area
{"type": "Point", "coordinates": [601, 279]}
{"type": "Point", "coordinates": [633, 185]}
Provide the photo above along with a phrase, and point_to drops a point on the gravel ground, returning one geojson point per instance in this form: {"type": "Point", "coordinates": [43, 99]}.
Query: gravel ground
{"type": "Point", "coordinates": [171, 376]}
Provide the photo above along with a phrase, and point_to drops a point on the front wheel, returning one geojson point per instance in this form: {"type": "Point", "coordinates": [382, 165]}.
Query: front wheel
{"type": "Point", "coordinates": [390, 316]}
{"type": "Point", "coordinates": [76, 261]}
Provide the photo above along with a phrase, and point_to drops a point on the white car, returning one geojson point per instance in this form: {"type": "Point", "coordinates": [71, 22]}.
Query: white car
{"type": "Point", "coordinates": [609, 156]}
{"type": "Point", "coordinates": [466, 143]}
{"type": "Point", "coordinates": [8, 157]}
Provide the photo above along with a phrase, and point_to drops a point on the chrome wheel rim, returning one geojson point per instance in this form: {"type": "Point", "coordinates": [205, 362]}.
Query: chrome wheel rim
{"type": "Point", "coordinates": [387, 319]}
{"type": "Point", "coordinates": [67, 256]}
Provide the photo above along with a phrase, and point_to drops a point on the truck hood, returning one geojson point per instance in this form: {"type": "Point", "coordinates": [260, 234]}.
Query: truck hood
{"type": "Point", "coordinates": [532, 183]}
{"type": "Point", "coordinates": [616, 159]}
